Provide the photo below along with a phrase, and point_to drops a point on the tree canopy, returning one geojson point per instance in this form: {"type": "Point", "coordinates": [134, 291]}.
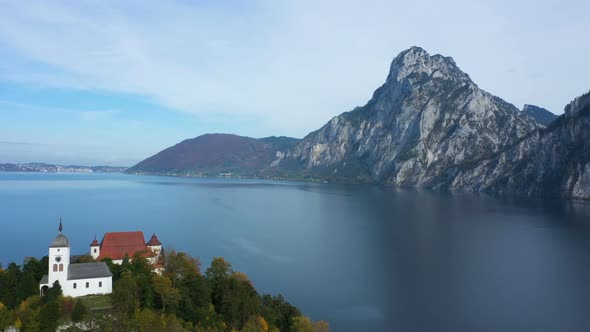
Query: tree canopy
{"type": "Point", "coordinates": [180, 299]}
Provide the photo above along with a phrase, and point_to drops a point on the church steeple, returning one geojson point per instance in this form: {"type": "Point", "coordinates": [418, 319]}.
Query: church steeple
{"type": "Point", "coordinates": [60, 225]}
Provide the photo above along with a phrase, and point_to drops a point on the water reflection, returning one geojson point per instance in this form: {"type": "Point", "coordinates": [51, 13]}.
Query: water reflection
{"type": "Point", "coordinates": [364, 258]}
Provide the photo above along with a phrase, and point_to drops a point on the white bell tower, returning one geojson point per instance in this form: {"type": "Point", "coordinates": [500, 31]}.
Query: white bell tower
{"type": "Point", "coordinates": [59, 259]}
{"type": "Point", "coordinates": [95, 249]}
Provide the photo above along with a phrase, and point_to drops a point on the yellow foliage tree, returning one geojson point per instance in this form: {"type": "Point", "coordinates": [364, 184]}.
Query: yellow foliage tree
{"type": "Point", "coordinates": [304, 324]}
{"type": "Point", "coordinates": [321, 326]}
{"type": "Point", "coordinates": [18, 324]}
{"type": "Point", "coordinates": [148, 321]}
{"type": "Point", "coordinates": [255, 324]}
{"type": "Point", "coordinates": [4, 317]}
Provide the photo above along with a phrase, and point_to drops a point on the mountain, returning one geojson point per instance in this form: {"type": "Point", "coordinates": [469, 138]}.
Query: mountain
{"type": "Point", "coordinates": [552, 161]}
{"type": "Point", "coordinates": [215, 154]}
{"type": "Point", "coordinates": [427, 116]}
{"type": "Point", "coordinates": [539, 114]}
{"type": "Point", "coordinates": [429, 125]}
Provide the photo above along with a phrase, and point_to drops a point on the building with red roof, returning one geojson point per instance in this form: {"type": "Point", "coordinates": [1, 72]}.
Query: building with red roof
{"type": "Point", "coordinates": [117, 245]}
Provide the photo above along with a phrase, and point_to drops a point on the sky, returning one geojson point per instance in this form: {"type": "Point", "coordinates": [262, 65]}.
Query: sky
{"type": "Point", "coordinates": [113, 82]}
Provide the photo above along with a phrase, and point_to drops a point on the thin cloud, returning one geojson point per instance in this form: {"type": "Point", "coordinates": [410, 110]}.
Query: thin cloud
{"type": "Point", "coordinates": [293, 64]}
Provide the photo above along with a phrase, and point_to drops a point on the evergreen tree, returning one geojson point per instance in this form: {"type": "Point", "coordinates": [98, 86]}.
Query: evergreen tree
{"type": "Point", "coordinates": [80, 311]}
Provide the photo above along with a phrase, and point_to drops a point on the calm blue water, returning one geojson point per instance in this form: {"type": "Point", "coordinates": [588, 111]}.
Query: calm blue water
{"type": "Point", "coordinates": [363, 258]}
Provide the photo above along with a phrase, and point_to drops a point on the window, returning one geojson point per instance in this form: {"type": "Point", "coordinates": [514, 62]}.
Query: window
{"type": "Point", "coordinates": [75, 285]}
{"type": "Point", "coordinates": [61, 267]}
{"type": "Point", "coordinates": [95, 250]}
{"type": "Point", "coordinates": [54, 267]}
{"type": "Point", "coordinates": [100, 284]}
{"type": "Point", "coordinates": [57, 249]}
{"type": "Point", "coordinates": [87, 285]}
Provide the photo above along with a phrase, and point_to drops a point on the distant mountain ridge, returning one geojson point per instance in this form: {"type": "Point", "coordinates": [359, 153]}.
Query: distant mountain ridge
{"type": "Point", "coordinates": [429, 125]}
{"type": "Point", "coordinates": [539, 114]}
{"type": "Point", "coordinates": [216, 154]}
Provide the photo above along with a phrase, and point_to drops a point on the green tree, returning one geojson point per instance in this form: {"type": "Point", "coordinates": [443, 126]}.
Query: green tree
{"type": "Point", "coordinates": [53, 293]}
{"type": "Point", "coordinates": [140, 265]}
{"type": "Point", "coordinates": [125, 297]}
{"type": "Point", "coordinates": [9, 285]}
{"type": "Point", "coordinates": [48, 316]}
{"type": "Point", "coordinates": [239, 301]}
{"type": "Point", "coordinates": [278, 312]}
{"type": "Point", "coordinates": [219, 269]}
{"type": "Point", "coordinates": [79, 312]}
{"type": "Point", "coordinates": [217, 275]}
{"type": "Point", "coordinates": [195, 300]}
{"type": "Point", "coordinates": [49, 311]}
{"type": "Point", "coordinates": [148, 321]}
{"type": "Point", "coordinates": [180, 265]}
{"type": "Point", "coordinates": [169, 295]}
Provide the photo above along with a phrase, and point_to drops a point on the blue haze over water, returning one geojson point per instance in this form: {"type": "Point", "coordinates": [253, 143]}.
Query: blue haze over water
{"type": "Point", "coordinates": [363, 258]}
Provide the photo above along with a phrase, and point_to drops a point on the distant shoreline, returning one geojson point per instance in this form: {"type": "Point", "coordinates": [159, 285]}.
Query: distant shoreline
{"type": "Point", "coordinates": [52, 168]}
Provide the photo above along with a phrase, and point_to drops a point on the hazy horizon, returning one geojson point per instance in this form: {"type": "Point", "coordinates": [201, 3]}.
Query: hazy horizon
{"type": "Point", "coordinates": [113, 83]}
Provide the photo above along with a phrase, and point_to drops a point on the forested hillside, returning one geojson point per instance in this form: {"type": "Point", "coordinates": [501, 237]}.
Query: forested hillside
{"type": "Point", "coordinates": [182, 299]}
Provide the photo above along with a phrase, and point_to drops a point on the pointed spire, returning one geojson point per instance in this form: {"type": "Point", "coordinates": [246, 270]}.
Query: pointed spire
{"type": "Point", "coordinates": [60, 225]}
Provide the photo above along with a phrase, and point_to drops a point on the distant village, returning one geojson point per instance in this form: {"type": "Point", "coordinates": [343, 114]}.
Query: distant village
{"type": "Point", "coordinates": [50, 168]}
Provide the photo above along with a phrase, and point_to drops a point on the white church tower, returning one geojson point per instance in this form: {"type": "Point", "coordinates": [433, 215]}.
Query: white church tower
{"type": "Point", "coordinates": [59, 258]}
{"type": "Point", "coordinates": [95, 249]}
{"type": "Point", "coordinates": [78, 279]}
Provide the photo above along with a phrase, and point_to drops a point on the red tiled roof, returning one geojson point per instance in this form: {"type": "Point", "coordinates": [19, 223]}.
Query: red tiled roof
{"type": "Point", "coordinates": [115, 245]}
{"type": "Point", "coordinates": [154, 241]}
{"type": "Point", "coordinates": [94, 243]}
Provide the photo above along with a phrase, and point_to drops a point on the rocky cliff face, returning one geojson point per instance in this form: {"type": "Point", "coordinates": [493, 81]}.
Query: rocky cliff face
{"type": "Point", "coordinates": [549, 161]}
{"type": "Point", "coordinates": [427, 126]}
{"type": "Point", "coordinates": [427, 116]}
{"type": "Point", "coordinates": [539, 114]}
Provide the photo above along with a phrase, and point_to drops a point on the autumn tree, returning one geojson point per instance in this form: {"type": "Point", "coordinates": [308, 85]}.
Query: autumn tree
{"type": "Point", "coordinates": [302, 324]}
{"type": "Point", "coordinates": [321, 326]}
{"type": "Point", "coordinates": [27, 313]}
{"type": "Point", "coordinates": [5, 317]}
{"type": "Point", "coordinates": [180, 265]}
{"type": "Point", "coordinates": [255, 324]}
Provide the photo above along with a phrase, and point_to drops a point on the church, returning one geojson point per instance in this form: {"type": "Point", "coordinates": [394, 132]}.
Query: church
{"type": "Point", "coordinates": [117, 245]}
{"type": "Point", "coordinates": [80, 279]}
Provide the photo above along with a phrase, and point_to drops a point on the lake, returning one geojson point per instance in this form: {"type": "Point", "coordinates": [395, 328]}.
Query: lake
{"type": "Point", "coordinates": [364, 258]}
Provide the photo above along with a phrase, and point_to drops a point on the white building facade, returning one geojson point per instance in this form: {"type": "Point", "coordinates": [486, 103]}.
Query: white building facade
{"type": "Point", "coordinates": [117, 246]}
{"type": "Point", "coordinates": [78, 279]}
